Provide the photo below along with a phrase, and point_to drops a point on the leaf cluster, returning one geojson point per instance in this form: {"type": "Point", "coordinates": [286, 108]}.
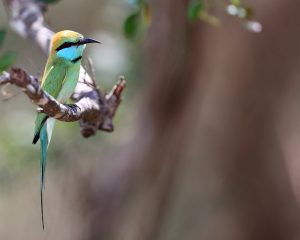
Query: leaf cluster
{"type": "Point", "coordinates": [8, 57]}
{"type": "Point", "coordinates": [137, 21]}
{"type": "Point", "coordinates": [202, 9]}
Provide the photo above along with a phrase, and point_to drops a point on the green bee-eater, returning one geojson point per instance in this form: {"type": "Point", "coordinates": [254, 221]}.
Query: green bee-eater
{"type": "Point", "coordinates": [59, 80]}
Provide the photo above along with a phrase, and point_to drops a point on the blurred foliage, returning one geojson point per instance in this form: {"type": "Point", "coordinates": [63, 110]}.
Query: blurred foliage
{"type": "Point", "coordinates": [131, 25]}
{"type": "Point", "coordinates": [194, 10]}
{"type": "Point", "coordinates": [200, 9]}
{"type": "Point", "coordinates": [197, 10]}
{"type": "Point", "coordinates": [138, 20]}
{"type": "Point", "coordinates": [240, 11]}
{"type": "Point", "coordinates": [8, 58]}
{"type": "Point", "coordinates": [2, 36]}
{"type": "Point", "coordinates": [141, 17]}
{"type": "Point", "coordinates": [235, 2]}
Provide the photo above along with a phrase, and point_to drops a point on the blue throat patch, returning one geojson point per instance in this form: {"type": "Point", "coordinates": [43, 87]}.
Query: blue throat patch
{"type": "Point", "coordinates": [70, 53]}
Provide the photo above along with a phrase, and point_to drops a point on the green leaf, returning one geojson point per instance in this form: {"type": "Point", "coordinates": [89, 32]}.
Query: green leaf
{"type": "Point", "coordinates": [236, 2]}
{"type": "Point", "coordinates": [2, 36]}
{"type": "Point", "coordinates": [6, 60]}
{"type": "Point", "coordinates": [49, 1]}
{"type": "Point", "coordinates": [194, 10]}
{"type": "Point", "coordinates": [131, 25]}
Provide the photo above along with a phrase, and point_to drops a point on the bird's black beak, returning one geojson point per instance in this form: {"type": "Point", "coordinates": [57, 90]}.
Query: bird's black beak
{"type": "Point", "coordinates": [88, 40]}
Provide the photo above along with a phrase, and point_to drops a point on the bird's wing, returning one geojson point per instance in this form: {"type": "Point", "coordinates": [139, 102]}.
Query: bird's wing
{"type": "Point", "coordinates": [54, 78]}
{"type": "Point", "coordinates": [52, 83]}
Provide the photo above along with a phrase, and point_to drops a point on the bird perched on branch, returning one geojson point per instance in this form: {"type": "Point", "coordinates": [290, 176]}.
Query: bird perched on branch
{"type": "Point", "coordinates": [59, 80]}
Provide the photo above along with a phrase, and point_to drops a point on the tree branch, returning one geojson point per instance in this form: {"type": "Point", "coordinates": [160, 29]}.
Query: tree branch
{"type": "Point", "coordinates": [88, 107]}
{"type": "Point", "coordinates": [92, 108]}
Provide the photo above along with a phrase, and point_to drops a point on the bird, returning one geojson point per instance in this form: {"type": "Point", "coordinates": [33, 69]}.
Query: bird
{"type": "Point", "coordinates": [59, 79]}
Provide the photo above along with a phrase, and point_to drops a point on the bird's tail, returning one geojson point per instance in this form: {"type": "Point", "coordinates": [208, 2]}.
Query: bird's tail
{"type": "Point", "coordinates": [44, 128]}
{"type": "Point", "coordinates": [43, 157]}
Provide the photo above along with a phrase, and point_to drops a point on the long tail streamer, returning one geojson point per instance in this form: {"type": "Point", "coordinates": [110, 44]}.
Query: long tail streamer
{"type": "Point", "coordinates": [43, 158]}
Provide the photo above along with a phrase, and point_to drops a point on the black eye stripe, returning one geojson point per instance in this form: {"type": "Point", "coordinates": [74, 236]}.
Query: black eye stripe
{"type": "Point", "coordinates": [64, 45]}
{"type": "Point", "coordinates": [68, 44]}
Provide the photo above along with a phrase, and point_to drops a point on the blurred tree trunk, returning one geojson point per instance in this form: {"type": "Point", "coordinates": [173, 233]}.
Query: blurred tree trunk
{"type": "Point", "coordinates": [206, 162]}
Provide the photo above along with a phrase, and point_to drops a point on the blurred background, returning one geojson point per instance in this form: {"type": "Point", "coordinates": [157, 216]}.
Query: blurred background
{"type": "Point", "coordinates": [206, 142]}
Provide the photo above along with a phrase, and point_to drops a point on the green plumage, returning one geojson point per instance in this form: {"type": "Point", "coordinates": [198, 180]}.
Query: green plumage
{"type": "Point", "coordinates": [59, 80]}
